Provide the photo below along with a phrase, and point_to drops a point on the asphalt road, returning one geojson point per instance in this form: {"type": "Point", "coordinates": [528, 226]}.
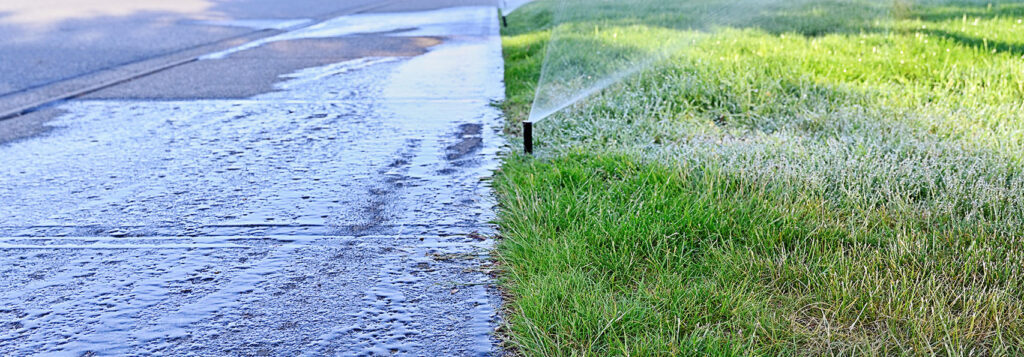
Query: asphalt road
{"type": "Point", "coordinates": [45, 41]}
{"type": "Point", "coordinates": [321, 191]}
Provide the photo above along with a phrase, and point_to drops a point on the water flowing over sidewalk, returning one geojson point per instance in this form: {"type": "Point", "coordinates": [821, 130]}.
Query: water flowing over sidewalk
{"type": "Point", "coordinates": [344, 213]}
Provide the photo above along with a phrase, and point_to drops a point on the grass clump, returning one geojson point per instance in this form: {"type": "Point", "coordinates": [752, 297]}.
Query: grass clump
{"type": "Point", "coordinates": [813, 177]}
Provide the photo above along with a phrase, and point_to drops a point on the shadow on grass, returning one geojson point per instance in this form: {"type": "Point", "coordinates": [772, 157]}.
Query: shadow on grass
{"type": "Point", "coordinates": [979, 43]}
{"type": "Point", "coordinates": [806, 17]}
{"type": "Point", "coordinates": [955, 10]}
{"type": "Point", "coordinates": [811, 18]}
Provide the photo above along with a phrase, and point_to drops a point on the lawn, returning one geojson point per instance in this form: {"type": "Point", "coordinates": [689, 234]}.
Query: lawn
{"type": "Point", "coordinates": [810, 177]}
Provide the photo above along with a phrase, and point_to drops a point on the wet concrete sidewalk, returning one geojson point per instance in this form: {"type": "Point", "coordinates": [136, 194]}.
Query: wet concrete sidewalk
{"type": "Point", "coordinates": [334, 204]}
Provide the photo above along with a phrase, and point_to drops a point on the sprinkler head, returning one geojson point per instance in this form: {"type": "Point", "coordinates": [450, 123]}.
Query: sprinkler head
{"type": "Point", "coordinates": [528, 137]}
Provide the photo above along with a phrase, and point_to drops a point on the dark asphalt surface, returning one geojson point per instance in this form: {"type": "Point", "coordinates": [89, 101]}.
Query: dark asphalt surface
{"type": "Point", "coordinates": [47, 41]}
{"type": "Point", "coordinates": [322, 193]}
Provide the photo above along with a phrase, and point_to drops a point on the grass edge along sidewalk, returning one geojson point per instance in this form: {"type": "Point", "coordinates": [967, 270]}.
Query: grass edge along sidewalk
{"type": "Point", "coordinates": [798, 186]}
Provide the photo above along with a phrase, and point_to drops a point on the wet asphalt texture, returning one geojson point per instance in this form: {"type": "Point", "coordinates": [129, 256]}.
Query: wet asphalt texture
{"type": "Point", "coordinates": [323, 192]}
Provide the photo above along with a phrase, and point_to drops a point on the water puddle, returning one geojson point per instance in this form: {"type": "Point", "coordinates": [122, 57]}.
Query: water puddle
{"type": "Point", "coordinates": [456, 21]}
{"type": "Point", "coordinates": [258, 24]}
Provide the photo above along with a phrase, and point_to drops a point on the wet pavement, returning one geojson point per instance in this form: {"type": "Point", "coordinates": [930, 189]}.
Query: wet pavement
{"type": "Point", "coordinates": [342, 211]}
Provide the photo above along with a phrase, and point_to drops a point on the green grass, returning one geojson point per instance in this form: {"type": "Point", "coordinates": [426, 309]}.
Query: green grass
{"type": "Point", "coordinates": [813, 177]}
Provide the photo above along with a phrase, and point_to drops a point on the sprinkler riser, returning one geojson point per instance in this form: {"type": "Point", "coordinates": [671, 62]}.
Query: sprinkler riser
{"type": "Point", "coordinates": [528, 137]}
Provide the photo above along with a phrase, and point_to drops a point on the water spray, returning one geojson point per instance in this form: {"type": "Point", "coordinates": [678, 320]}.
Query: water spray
{"type": "Point", "coordinates": [589, 48]}
{"type": "Point", "coordinates": [594, 43]}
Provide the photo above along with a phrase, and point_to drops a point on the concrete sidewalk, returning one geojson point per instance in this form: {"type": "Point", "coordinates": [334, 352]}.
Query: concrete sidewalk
{"type": "Point", "coordinates": [317, 193]}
